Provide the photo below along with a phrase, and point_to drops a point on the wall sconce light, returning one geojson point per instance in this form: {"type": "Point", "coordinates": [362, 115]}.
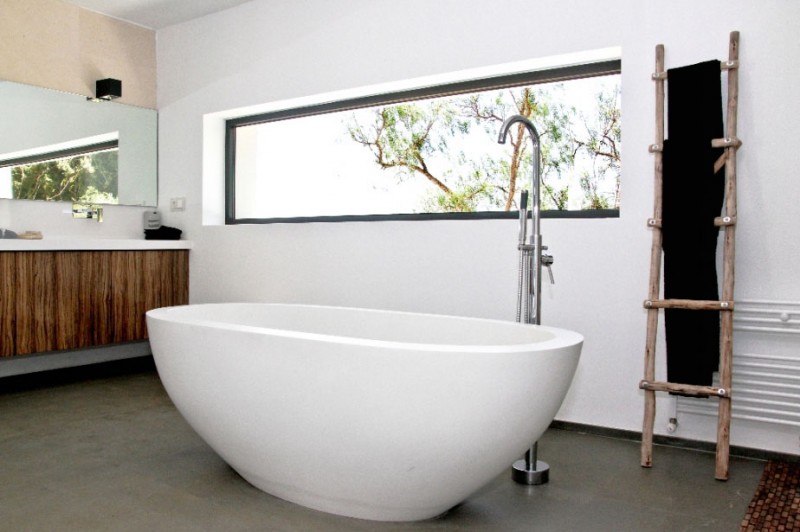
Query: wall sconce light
{"type": "Point", "coordinates": [107, 89]}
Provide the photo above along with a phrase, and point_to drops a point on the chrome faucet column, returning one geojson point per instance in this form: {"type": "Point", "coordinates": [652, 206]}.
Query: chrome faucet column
{"type": "Point", "coordinates": [530, 471]}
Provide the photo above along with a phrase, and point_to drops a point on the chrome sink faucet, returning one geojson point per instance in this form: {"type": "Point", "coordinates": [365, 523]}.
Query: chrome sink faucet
{"type": "Point", "coordinates": [91, 212]}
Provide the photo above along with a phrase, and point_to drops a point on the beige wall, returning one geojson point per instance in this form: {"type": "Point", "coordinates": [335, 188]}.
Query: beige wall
{"type": "Point", "coordinates": [53, 44]}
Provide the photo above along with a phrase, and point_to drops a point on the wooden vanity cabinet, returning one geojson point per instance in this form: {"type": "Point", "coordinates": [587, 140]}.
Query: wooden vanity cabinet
{"type": "Point", "coordinates": [57, 300]}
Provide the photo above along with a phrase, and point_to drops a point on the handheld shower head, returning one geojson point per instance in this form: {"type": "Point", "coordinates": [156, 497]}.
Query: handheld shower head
{"type": "Point", "coordinates": [523, 216]}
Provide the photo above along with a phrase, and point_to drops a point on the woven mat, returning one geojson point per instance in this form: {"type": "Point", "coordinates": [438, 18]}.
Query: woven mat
{"type": "Point", "coordinates": [776, 503]}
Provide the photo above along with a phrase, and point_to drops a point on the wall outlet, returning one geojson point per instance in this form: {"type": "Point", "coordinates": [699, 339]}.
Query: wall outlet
{"type": "Point", "coordinates": [177, 204]}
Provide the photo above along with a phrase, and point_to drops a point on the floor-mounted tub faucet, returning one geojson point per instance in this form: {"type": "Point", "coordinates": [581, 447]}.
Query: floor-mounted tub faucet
{"type": "Point", "coordinates": [530, 471]}
{"type": "Point", "coordinates": [532, 313]}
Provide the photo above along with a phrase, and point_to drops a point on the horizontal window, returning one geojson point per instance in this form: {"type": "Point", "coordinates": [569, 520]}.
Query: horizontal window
{"type": "Point", "coordinates": [433, 153]}
{"type": "Point", "coordinates": [85, 173]}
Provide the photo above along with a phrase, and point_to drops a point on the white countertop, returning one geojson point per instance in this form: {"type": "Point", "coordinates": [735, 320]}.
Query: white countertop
{"type": "Point", "coordinates": [89, 244]}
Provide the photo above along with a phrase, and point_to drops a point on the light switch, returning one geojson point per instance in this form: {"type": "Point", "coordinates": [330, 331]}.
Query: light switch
{"type": "Point", "coordinates": [177, 204]}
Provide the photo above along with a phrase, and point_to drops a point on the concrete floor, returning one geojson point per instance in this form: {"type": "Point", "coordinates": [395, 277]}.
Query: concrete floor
{"type": "Point", "coordinates": [111, 453]}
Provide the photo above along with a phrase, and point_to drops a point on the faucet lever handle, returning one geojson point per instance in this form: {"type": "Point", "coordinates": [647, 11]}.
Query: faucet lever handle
{"type": "Point", "coordinates": [547, 262]}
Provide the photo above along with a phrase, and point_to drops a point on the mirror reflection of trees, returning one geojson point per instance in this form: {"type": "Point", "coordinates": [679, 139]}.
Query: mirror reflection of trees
{"type": "Point", "coordinates": [88, 178]}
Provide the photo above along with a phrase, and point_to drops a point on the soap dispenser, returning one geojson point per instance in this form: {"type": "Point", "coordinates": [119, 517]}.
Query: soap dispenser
{"type": "Point", "coordinates": [151, 219]}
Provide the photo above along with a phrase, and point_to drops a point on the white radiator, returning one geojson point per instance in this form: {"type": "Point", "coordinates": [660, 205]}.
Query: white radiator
{"type": "Point", "coordinates": [766, 365]}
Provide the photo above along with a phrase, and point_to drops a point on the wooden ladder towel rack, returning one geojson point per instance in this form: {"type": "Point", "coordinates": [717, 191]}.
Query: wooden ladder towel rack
{"type": "Point", "coordinates": [725, 305]}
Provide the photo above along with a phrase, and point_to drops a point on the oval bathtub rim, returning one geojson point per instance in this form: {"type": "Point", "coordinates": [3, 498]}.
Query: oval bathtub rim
{"type": "Point", "coordinates": [562, 338]}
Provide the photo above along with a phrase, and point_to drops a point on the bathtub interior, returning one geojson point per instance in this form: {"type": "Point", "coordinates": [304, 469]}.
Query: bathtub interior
{"type": "Point", "coordinates": [364, 324]}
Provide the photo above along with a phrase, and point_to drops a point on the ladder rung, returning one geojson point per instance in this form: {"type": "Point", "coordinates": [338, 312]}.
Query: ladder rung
{"type": "Point", "coordinates": [727, 142]}
{"type": "Point", "coordinates": [690, 304]}
{"type": "Point", "coordinates": [689, 389]}
{"type": "Point", "coordinates": [719, 221]}
{"type": "Point", "coordinates": [722, 221]}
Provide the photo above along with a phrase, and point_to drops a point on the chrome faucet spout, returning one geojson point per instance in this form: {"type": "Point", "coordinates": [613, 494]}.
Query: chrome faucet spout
{"type": "Point", "coordinates": [510, 121]}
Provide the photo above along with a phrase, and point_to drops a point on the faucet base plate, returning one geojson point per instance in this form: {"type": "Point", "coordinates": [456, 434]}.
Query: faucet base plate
{"type": "Point", "coordinates": [522, 475]}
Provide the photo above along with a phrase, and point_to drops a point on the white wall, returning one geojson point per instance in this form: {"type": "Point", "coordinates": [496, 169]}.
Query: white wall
{"type": "Point", "coordinates": [273, 50]}
{"type": "Point", "coordinates": [58, 45]}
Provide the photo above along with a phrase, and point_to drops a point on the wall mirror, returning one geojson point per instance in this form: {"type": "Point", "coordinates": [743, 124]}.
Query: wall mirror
{"type": "Point", "coordinates": [57, 146]}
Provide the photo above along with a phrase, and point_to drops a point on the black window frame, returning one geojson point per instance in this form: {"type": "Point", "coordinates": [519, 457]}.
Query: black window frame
{"type": "Point", "coordinates": [550, 75]}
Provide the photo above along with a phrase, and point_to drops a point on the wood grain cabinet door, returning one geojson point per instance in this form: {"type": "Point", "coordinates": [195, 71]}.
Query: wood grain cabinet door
{"type": "Point", "coordinates": [8, 284]}
{"type": "Point", "coordinates": [127, 296]}
{"type": "Point", "coordinates": [144, 280]}
{"type": "Point", "coordinates": [166, 279]}
{"type": "Point", "coordinates": [83, 298]}
{"type": "Point", "coordinates": [36, 305]}
{"type": "Point", "coordinates": [58, 300]}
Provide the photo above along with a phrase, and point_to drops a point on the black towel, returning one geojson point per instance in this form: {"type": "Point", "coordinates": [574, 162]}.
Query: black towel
{"type": "Point", "coordinates": [692, 198]}
{"type": "Point", "coordinates": [163, 233]}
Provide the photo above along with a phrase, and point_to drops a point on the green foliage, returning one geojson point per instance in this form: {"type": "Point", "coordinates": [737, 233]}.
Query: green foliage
{"type": "Point", "coordinates": [462, 199]}
{"type": "Point", "coordinates": [429, 139]}
{"type": "Point", "coordinates": [85, 178]}
{"type": "Point", "coordinates": [405, 137]}
{"type": "Point", "coordinates": [602, 144]}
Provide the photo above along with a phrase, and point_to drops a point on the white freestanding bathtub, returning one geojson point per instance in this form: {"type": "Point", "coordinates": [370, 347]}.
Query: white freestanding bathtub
{"type": "Point", "coordinates": [380, 415]}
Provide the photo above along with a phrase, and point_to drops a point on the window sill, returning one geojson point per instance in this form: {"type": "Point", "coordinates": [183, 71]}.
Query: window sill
{"type": "Point", "coordinates": [593, 213]}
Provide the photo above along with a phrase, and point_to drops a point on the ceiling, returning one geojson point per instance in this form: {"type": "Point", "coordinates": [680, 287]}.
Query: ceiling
{"type": "Point", "coordinates": [156, 14]}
